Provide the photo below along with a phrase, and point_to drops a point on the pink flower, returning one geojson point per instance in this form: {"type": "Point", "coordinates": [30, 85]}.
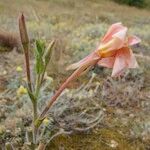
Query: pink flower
{"type": "Point", "coordinates": [113, 51]}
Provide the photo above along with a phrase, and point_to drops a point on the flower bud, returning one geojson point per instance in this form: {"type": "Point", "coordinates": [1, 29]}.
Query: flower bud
{"type": "Point", "coordinates": [23, 32]}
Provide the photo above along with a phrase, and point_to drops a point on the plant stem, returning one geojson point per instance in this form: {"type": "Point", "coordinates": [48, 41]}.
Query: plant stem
{"type": "Point", "coordinates": [42, 76]}
{"type": "Point", "coordinates": [28, 70]}
{"type": "Point", "coordinates": [34, 118]}
{"type": "Point", "coordinates": [35, 110]}
{"type": "Point", "coordinates": [37, 86]}
{"type": "Point", "coordinates": [35, 103]}
{"type": "Point", "coordinates": [41, 146]}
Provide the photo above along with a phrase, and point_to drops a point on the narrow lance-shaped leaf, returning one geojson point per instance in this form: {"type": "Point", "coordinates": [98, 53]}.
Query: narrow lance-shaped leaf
{"type": "Point", "coordinates": [48, 52]}
{"type": "Point", "coordinates": [32, 97]}
{"type": "Point", "coordinates": [39, 66]}
{"type": "Point", "coordinates": [40, 47]}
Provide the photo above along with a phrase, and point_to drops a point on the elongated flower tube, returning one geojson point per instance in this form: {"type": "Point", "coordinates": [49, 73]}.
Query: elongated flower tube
{"type": "Point", "coordinates": [112, 52]}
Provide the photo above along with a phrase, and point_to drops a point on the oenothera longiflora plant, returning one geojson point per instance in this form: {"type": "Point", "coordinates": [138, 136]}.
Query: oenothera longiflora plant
{"type": "Point", "coordinates": [42, 58]}
{"type": "Point", "coordinates": [113, 51]}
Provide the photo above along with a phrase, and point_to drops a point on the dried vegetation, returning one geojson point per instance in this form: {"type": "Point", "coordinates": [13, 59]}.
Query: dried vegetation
{"type": "Point", "coordinates": [118, 109]}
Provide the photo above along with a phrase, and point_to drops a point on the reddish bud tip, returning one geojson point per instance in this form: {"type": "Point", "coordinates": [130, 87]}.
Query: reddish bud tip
{"type": "Point", "coordinates": [23, 30]}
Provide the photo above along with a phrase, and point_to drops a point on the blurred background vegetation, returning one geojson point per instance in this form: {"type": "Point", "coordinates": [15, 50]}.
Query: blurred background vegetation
{"type": "Point", "coordinates": [136, 3]}
{"type": "Point", "coordinates": [78, 26]}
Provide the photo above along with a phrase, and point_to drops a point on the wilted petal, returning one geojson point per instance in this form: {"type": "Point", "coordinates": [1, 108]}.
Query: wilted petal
{"type": "Point", "coordinates": [107, 62]}
{"type": "Point", "coordinates": [132, 63]}
{"type": "Point", "coordinates": [120, 63]}
{"type": "Point", "coordinates": [85, 60]}
{"type": "Point", "coordinates": [121, 34]}
{"type": "Point", "coordinates": [129, 57]}
{"type": "Point", "coordinates": [78, 64]}
{"type": "Point", "coordinates": [120, 39]}
{"type": "Point", "coordinates": [114, 28]}
{"type": "Point", "coordinates": [132, 40]}
{"type": "Point", "coordinates": [124, 59]}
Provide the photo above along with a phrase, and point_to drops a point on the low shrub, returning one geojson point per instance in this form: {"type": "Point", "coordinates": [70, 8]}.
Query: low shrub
{"type": "Point", "coordinates": [137, 3]}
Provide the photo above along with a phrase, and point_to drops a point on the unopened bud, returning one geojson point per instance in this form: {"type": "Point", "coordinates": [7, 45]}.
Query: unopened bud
{"type": "Point", "coordinates": [25, 44]}
{"type": "Point", "coordinates": [23, 32]}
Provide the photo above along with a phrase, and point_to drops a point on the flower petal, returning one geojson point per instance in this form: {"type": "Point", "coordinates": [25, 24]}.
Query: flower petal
{"type": "Point", "coordinates": [120, 63]}
{"type": "Point", "coordinates": [88, 58]}
{"type": "Point", "coordinates": [120, 39]}
{"type": "Point", "coordinates": [132, 40]}
{"type": "Point", "coordinates": [132, 63]}
{"type": "Point", "coordinates": [114, 28]}
{"type": "Point", "coordinates": [107, 62]}
{"type": "Point", "coordinates": [78, 64]}
{"type": "Point", "coordinates": [124, 59]}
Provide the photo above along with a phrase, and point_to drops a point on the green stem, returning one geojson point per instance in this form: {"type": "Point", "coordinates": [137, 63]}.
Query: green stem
{"type": "Point", "coordinates": [35, 110]}
{"type": "Point", "coordinates": [35, 103]}
{"type": "Point", "coordinates": [35, 114]}
{"type": "Point", "coordinates": [42, 76]}
{"type": "Point", "coordinates": [37, 87]}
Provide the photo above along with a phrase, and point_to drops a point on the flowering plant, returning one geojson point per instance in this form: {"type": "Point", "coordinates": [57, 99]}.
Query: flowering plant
{"type": "Point", "coordinates": [113, 51]}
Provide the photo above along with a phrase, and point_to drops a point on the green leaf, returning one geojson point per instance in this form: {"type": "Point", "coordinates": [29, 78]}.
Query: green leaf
{"type": "Point", "coordinates": [48, 52]}
{"type": "Point", "coordinates": [39, 66]}
{"type": "Point", "coordinates": [39, 51]}
{"type": "Point", "coordinates": [38, 122]}
{"type": "Point", "coordinates": [32, 97]}
{"type": "Point", "coordinates": [40, 47]}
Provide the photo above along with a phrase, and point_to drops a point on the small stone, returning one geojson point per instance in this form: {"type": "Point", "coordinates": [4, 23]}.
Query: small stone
{"type": "Point", "coordinates": [113, 144]}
